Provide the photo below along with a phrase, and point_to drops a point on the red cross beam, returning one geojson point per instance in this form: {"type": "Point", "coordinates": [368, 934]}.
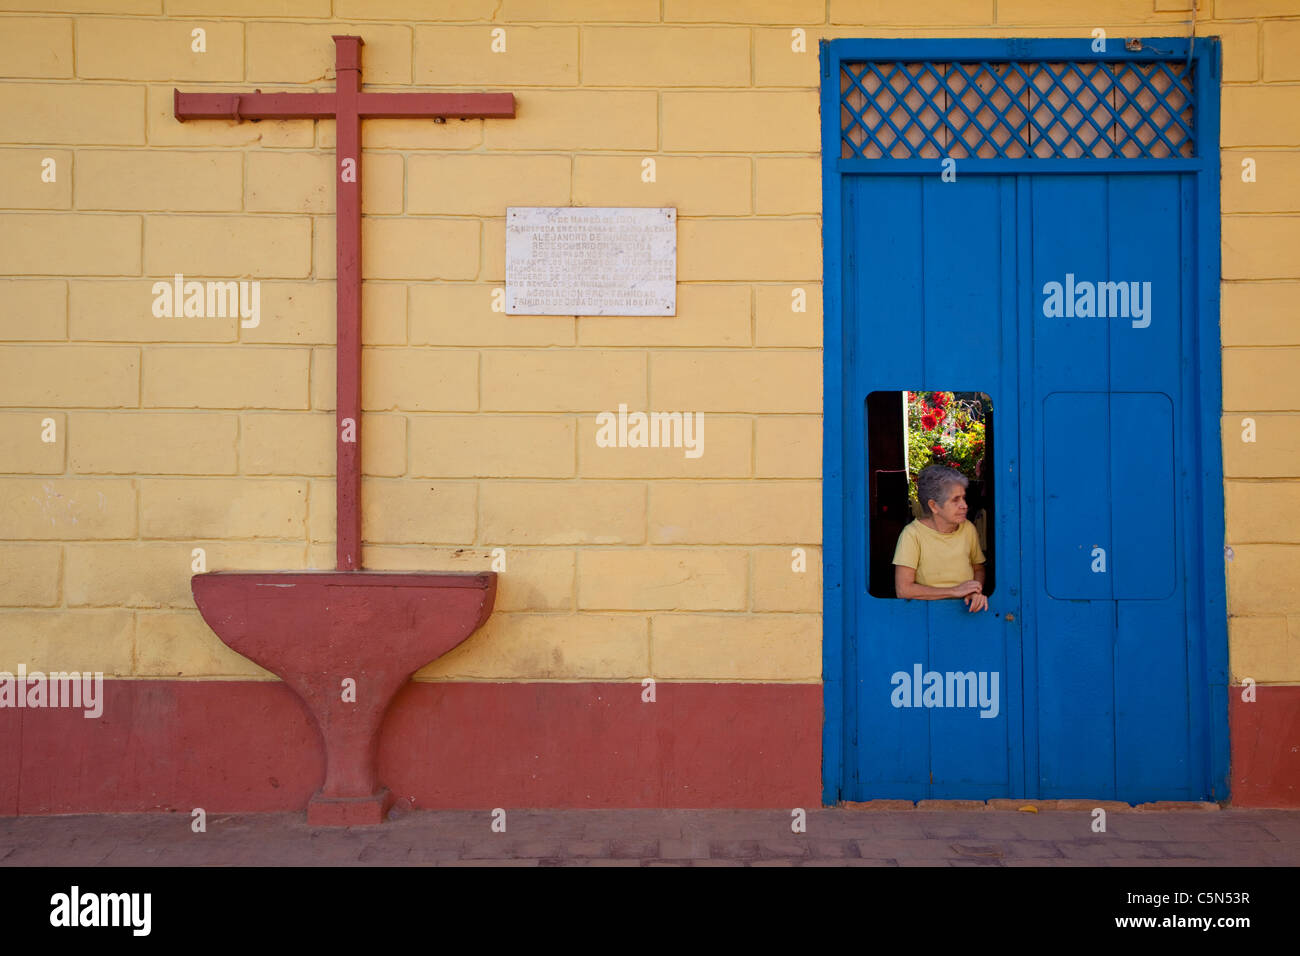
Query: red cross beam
{"type": "Point", "coordinates": [347, 106]}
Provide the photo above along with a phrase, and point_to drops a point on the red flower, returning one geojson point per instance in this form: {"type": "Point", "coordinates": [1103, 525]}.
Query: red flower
{"type": "Point", "coordinates": [939, 414]}
{"type": "Point", "coordinates": [927, 422]}
{"type": "Point", "coordinates": [937, 449]}
{"type": "Point", "coordinates": [940, 399]}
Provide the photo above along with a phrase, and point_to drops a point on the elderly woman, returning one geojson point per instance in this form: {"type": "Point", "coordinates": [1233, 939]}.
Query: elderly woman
{"type": "Point", "coordinates": [938, 556]}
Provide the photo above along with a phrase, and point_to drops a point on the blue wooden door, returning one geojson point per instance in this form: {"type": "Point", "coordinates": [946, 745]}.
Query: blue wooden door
{"type": "Point", "coordinates": [1072, 278]}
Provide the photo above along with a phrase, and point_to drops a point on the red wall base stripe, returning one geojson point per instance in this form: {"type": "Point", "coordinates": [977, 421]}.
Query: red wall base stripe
{"type": "Point", "coordinates": [1264, 744]}
{"type": "Point", "coordinates": [231, 746]}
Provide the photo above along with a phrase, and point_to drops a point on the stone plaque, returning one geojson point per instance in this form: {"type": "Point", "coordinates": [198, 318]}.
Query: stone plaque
{"type": "Point", "coordinates": [579, 260]}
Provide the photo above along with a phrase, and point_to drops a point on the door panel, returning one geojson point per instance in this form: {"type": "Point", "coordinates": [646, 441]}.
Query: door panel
{"type": "Point", "coordinates": [1075, 494]}
{"type": "Point", "coordinates": [933, 293]}
{"type": "Point", "coordinates": [1147, 244]}
{"type": "Point", "coordinates": [969, 753]}
{"type": "Point", "coordinates": [890, 756]}
{"type": "Point", "coordinates": [1075, 718]}
{"type": "Point", "coordinates": [1143, 558]}
{"type": "Point", "coordinates": [1110, 639]}
{"type": "Point", "coordinates": [1067, 244]}
{"type": "Point", "coordinates": [1151, 705]}
{"type": "Point", "coordinates": [892, 742]}
{"type": "Point", "coordinates": [961, 335]}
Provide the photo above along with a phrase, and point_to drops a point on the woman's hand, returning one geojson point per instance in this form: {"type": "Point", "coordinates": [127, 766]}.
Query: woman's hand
{"type": "Point", "coordinates": [965, 588]}
{"type": "Point", "coordinates": [977, 602]}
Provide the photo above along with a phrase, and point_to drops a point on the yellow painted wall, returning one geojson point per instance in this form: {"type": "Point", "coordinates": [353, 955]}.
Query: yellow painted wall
{"type": "Point", "coordinates": [180, 433]}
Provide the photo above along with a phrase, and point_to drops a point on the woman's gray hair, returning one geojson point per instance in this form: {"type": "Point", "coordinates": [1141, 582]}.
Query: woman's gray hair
{"type": "Point", "coordinates": [933, 482]}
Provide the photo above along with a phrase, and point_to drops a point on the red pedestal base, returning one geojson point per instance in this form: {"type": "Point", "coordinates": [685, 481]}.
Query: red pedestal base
{"type": "Point", "coordinates": [325, 811]}
{"type": "Point", "coordinates": [345, 642]}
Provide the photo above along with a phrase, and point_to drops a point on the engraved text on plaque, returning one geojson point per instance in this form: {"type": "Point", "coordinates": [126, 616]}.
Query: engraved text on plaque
{"type": "Point", "coordinates": [576, 260]}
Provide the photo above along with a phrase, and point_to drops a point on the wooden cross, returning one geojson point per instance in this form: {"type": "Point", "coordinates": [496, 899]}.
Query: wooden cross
{"type": "Point", "coordinates": [347, 105]}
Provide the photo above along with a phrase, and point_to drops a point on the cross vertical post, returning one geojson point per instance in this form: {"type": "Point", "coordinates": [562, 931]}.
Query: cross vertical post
{"type": "Point", "coordinates": [347, 224]}
{"type": "Point", "coordinates": [348, 105]}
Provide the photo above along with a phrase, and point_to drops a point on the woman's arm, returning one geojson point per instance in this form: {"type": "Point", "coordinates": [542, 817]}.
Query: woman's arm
{"type": "Point", "coordinates": [979, 575]}
{"type": "Point", "coordinates": [905, 586]}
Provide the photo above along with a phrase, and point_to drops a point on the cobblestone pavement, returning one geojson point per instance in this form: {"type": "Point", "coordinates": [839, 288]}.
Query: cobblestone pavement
{"type": "Point", "coordinates": [835, 837]}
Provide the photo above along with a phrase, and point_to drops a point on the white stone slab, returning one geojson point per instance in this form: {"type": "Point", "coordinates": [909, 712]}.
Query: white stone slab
{"type": "Point", "coordinates": [582, 260]}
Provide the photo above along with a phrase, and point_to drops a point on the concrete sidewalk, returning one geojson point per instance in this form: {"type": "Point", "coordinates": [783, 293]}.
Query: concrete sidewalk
{"type": "Point", "coordinates": [834, 837]}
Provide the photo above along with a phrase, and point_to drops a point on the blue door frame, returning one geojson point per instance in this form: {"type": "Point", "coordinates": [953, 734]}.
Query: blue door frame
{"type": "Point", "coordinates": [844, 523]}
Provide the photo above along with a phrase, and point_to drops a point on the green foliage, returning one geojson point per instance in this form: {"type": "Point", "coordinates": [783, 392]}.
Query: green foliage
{"type": "Point", "coordinates": [945, 428]}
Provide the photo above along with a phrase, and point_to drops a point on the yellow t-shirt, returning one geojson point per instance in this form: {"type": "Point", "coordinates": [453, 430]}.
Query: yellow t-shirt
{"type": "Point", "coordinates": [941, 560]}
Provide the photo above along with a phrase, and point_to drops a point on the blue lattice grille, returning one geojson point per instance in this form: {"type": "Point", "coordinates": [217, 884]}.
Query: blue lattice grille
{"type": "Point", "coordinates": [1016, 110]}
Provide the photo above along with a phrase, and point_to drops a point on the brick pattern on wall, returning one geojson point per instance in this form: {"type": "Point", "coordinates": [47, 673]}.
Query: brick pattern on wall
{"type": "Point", "coordinates": [479, 433]}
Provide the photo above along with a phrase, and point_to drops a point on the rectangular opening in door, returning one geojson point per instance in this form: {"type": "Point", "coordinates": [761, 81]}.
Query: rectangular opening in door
{"type": "Point", "coordinates": [906, 432]}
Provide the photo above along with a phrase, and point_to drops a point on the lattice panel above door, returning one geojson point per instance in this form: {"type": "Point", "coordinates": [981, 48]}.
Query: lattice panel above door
{"type": "Point", "coordinates": [1016, 110]}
